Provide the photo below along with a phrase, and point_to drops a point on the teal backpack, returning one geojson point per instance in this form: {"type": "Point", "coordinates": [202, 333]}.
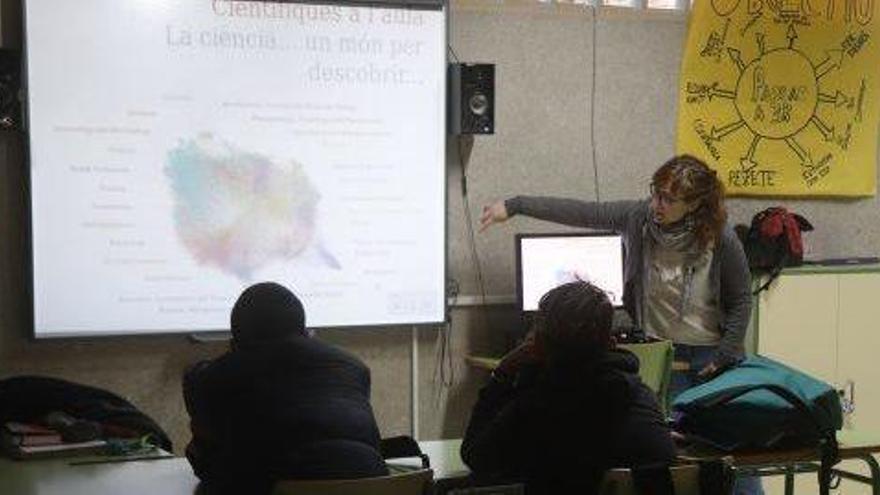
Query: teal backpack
{"type": "Point", "coordinates": [762, 404]}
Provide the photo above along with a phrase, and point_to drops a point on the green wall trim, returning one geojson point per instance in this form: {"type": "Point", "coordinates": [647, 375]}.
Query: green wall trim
{"type": "Point", "coordinates": [814, 269]}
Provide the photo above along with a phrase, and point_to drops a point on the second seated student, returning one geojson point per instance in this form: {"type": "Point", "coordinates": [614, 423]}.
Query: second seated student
{"type": "Point", "coordinates": [280, 404]}
{"type": "Point", "coordinates": [566, 405]}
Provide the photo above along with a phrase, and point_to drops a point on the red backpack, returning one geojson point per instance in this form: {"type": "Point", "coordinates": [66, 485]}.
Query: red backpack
{"type": "Point", "coordinates": [774, 241]}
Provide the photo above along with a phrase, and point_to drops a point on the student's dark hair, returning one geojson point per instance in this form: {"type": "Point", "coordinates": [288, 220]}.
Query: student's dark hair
{"type": "Point", "coordinates": [575, 322]}
{"type": "Point", "coordinates": [689, 178]}
{"type": "Point", "coordinates": [267, 311]}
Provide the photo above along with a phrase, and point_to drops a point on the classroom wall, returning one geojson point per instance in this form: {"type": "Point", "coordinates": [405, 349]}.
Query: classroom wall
{"type": "Point", "coordinates": [543, 145]}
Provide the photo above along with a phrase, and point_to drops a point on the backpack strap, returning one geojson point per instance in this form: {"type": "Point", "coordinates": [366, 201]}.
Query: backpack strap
{"type": "Point", "coordinates": [773, 274]}
{"type": "Point", "coordinates": [829, 456]}
{"type": "Point", "coordinates": [730, 394]}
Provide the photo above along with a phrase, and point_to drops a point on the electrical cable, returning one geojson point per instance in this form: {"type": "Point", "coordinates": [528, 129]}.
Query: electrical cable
{"type": "Point", "coordinates": [452, 52]}
{"type": "Point", "coordinates": [470, 227]}
{"type": "Point", "coordinates": [444, 371]}
{"type": "Point", "coordinates": [593, 64]}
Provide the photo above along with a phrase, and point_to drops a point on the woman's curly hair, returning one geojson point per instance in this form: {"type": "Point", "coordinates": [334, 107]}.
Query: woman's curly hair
{"type": "Point", "coordinates": [690, 179]}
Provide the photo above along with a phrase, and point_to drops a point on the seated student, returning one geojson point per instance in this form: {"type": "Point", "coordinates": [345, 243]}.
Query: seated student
{"type": "Point", "coordinates": [566, 405]}
{"type": "Point", "coordinates": [280, 404]}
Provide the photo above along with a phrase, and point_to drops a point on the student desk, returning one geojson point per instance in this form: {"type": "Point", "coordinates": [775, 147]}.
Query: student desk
{"type": "Point", "coordinates": [171, 476]}
{"type": "Point", "coordinates": [450, 471]}
{"type": "Point", "coordinates": [852, 446]}
{"type": "Point", "coordinates": [445, 458]}
{"type": "Point", "coordinates": [167, 476]}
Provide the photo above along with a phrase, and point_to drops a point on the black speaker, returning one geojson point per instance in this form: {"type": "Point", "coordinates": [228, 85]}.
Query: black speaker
{"type": "Point", "coordinates": [10, 85]}
{"type": "Point", "coordinates": [471, 99]}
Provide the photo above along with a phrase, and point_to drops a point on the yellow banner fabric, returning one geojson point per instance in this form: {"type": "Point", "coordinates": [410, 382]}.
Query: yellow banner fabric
{"type": "Point", "coordinates": [781, 96]}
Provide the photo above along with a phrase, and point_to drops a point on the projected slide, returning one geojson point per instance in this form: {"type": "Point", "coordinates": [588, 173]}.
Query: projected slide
{"type": "Point", "coordinates": [181, 151]}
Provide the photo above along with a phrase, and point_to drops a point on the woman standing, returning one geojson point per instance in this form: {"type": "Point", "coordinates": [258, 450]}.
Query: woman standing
{"type": "Point", "coordinates": [686, 277]}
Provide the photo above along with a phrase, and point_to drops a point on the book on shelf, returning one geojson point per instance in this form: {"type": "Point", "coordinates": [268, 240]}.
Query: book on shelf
{"type": "Point", "coordinates": [59, 450]}
{"type": "Point", "coordinates": [31, 440]}
{"type": "Point", "coordinates": [27, 441]}
{"type": "Point", "coordinates": [14, 434]}
{"type": "Point", "coordinates": [16, 428]}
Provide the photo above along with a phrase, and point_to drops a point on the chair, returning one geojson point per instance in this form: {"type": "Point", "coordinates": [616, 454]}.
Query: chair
{"type": "Point", "coordinates": [715, 476]}
{"type": "Point", "coordinates": [415, 482]}
{"type": "Point", "coordinates": [515, 489]}
{"type": "Point", "coordinates": [655, 366]}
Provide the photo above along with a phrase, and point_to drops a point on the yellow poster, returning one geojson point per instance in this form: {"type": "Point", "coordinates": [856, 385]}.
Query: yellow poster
{"type": "Point", "coordinates": [781, 96]}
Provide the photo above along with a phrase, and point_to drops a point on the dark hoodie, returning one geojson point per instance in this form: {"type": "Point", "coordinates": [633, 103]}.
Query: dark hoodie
{"type": "Point", "coordinates": [558, 429]}
{"type": "Point", "coordinates": [294, 409]}
{"type": "Point", "coordinates": [279, 405]}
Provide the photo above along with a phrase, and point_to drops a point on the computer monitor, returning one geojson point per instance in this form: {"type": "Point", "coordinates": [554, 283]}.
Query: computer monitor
{"type": "Point", "coordinates": [546, 261]}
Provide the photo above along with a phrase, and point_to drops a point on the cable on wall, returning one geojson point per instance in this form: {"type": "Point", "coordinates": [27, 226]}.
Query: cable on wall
{"type": "Point", "coordinates": [414, 380]}
{"type": "Point", "coordinates": [465, 146]}
{"type": "Point", "coordinates": [593, 65]}
{"type": "Point", "coordinates": [444, 372]}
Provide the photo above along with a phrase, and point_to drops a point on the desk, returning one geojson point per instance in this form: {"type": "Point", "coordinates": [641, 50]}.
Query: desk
{"type": "Point", "coordinates": [173, 476]}
{"type": "Point", "coordinates": [445, 458]}
{"type": "Point", "coordinates": [489, 363]}
{"type": "Point", "coordinates": [450, 470]}
{"type": "Point", "coordinates": [852, 446]}
{"type": "Point", "coordinates": [168, 476]}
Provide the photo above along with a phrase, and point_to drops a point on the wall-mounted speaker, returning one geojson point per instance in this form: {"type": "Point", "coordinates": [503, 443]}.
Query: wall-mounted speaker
{"type": "Point", "coordinates": [471, 99]}
{"type": "Point", "coordinates": [10, 85]}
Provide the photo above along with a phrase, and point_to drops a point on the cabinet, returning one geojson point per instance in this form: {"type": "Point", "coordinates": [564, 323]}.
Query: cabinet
{"type": "Point", "coordinates": [826, 322]}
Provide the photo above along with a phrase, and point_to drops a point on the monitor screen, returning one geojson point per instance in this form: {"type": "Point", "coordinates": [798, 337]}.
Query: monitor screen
{"type": "Point", "coordinates": [545, 261]}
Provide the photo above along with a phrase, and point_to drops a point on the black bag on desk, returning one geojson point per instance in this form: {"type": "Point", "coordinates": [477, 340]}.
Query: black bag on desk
{"type": "Point", "coordinates": [31, 399]}
{"type": "Point", "coordinates": [773, 241]}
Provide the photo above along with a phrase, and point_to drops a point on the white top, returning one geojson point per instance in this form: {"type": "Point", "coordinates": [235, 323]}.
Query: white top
{"type": "Point", "coordinates": [679, 302]}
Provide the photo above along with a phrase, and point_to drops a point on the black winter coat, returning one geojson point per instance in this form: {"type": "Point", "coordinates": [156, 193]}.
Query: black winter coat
{"type": "Point", "coordinates": [295, 409]}
{"type": "Point", "coordinates": [559, 429]}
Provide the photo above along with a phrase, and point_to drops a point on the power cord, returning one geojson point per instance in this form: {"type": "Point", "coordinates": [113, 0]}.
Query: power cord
{"type": "Point", "coordinates": [452, 52]}
{"type": "Point", "coordinates": [594, 11]}
{"type": "Point", "coordinates": [444, 372]}
{"type": "Point", "coordinates": [463, 161]}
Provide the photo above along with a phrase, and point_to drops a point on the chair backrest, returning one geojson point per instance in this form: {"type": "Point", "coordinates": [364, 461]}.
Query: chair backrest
{"type": "Point", "coordinates": [416, 482]}
{"type": "Point", "coordinates": [685, 480]}
{"type": "Point", "coordinates": [515, 489]}
{"type": "Point", "coordinates": [655, 366]}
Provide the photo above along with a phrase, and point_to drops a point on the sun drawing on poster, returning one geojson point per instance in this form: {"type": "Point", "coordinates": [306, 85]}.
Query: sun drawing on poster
{"type": "Point", "coordinates": [777, 96]}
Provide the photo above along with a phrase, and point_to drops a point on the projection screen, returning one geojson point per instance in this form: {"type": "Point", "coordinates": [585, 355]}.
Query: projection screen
{"type": "Point", "coordinates": [181, 151]}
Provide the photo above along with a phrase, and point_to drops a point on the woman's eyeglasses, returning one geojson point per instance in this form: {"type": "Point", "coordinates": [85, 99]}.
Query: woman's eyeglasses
{"type": "Point", "coordinates": [662, 196]}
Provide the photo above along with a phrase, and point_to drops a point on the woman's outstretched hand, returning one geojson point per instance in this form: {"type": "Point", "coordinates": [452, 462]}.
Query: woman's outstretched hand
{"type": "Point", "coordinates": [493, 213]}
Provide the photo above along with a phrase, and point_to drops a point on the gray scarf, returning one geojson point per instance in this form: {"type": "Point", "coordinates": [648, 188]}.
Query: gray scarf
{"type": "Point", "coordinates": [679, 237]}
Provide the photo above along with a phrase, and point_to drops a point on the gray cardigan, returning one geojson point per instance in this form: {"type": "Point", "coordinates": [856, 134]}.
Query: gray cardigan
{"type": "Point", "coordinates": [729, 273]}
